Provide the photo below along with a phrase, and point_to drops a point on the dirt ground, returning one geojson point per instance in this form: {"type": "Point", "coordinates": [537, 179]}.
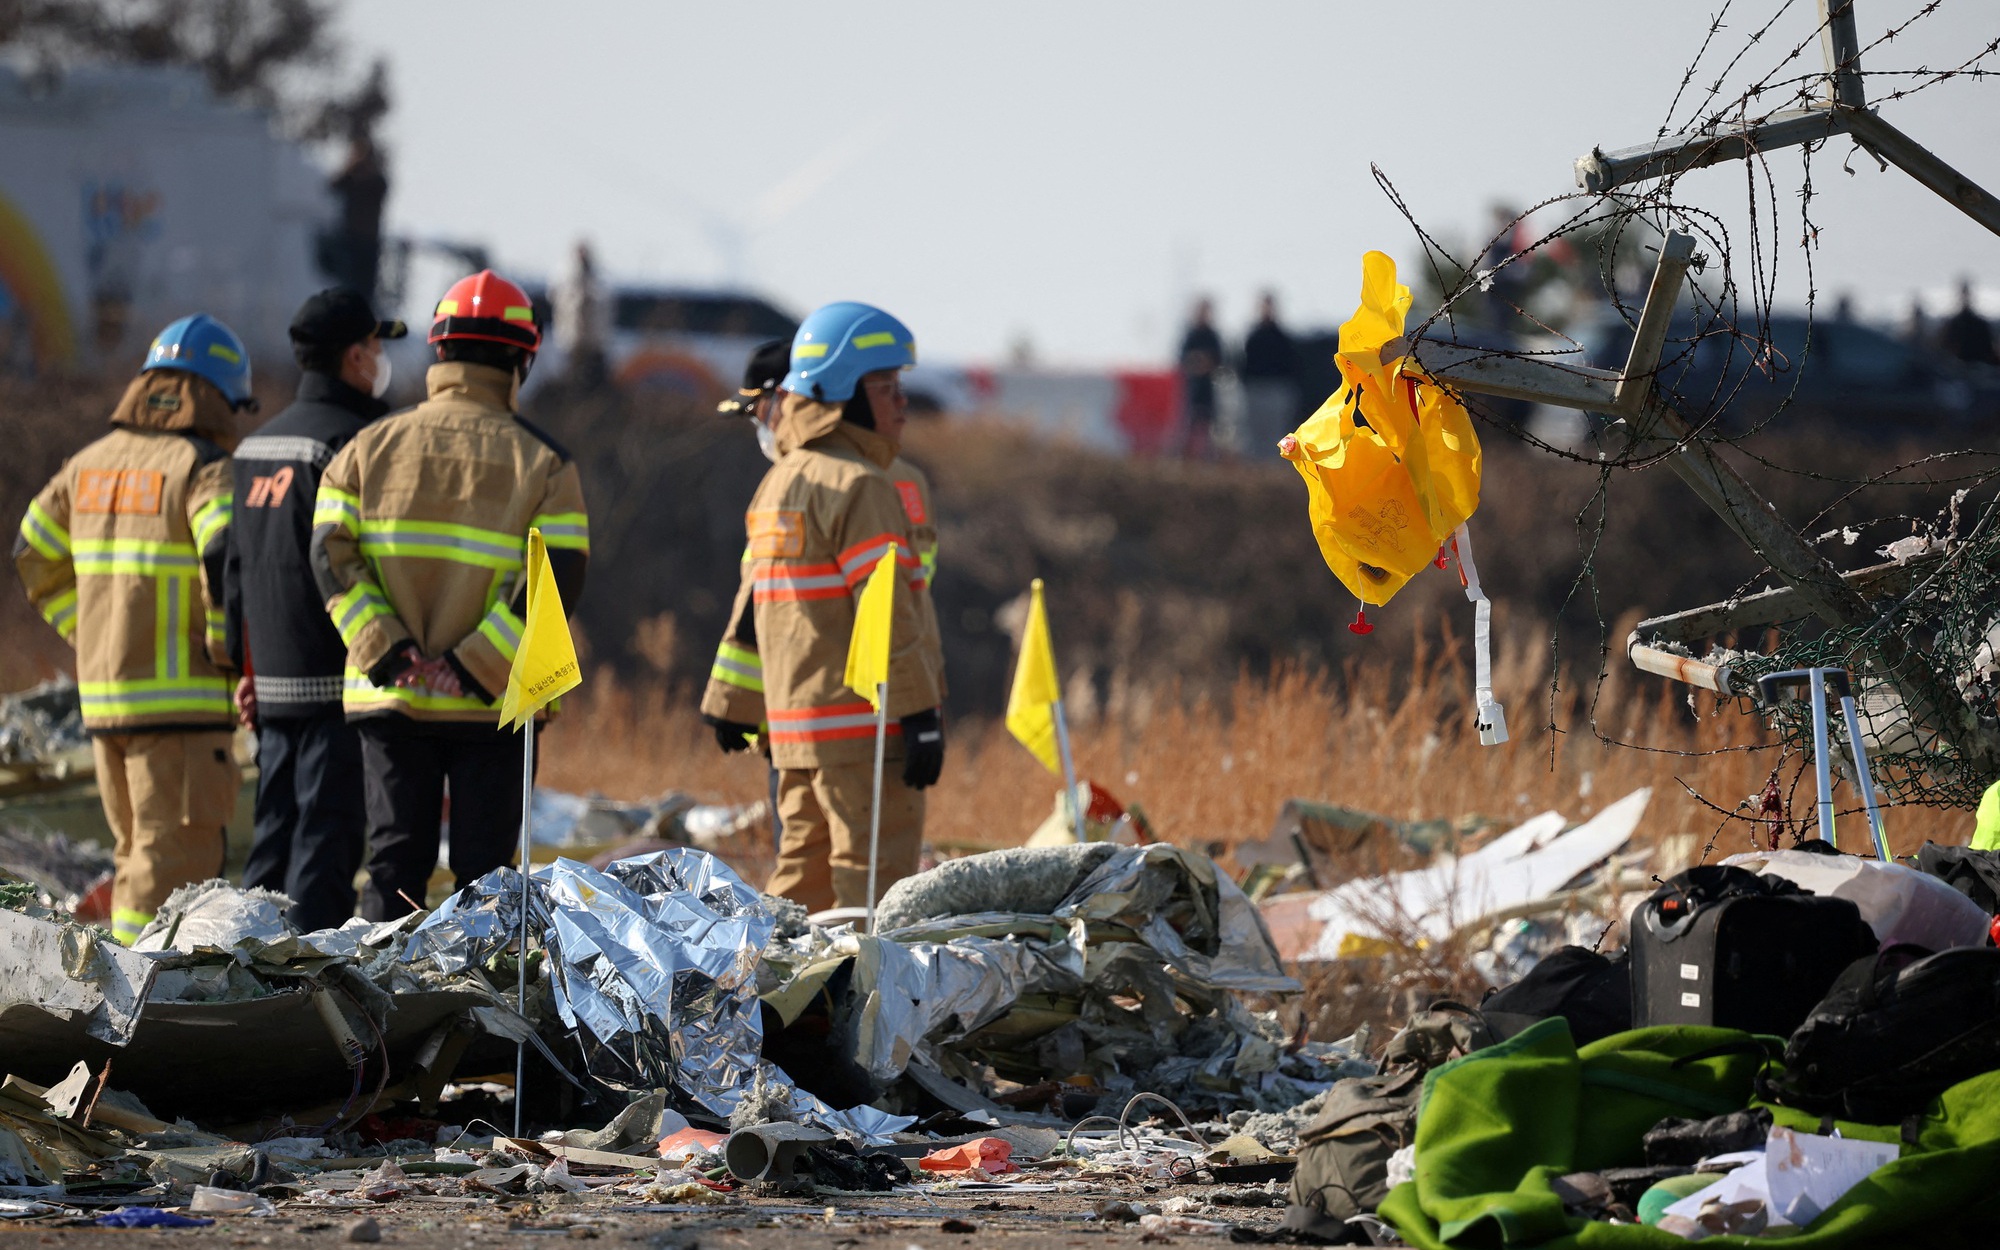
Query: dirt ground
{"type": "Point", "coordinates": [891, 1222]}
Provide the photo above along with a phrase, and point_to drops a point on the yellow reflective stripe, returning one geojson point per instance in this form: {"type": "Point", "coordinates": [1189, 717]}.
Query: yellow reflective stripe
{"type": "Point", "coordinates": [567, 530]}
{"type": "Point", "coordinates": [503, 629]}
{"type": "Point", "coordinates": [333, 506]}
{"type": "Point", "coordinates": [225, 352]}
{"type": "Point", "coordinates": [447, 308]}
{"type": "Point", "coordinates": [210, 520]}
{"type": "Point", "coordinates": [360, 694]}
{"type": "Point", "coordinates": [153, 696]}
{"type": "Point", "coordinates": [514, 312]}
{"type": "Point", "coordinates": [809, 351]}
{"type": "Point", "coordinates": [881, 338]}
{"type": "Point", "coordinates": [61, 612]}
{"type": "Point", "coordinates": [927, 556]}
{"type": "Point", "coordinates": [127, 924]}
{"type": "Point", "coordinates": [40, 531]}
{"type": "Point", "coordinates": [739, 667]}
{"type": "Point", "coordinates": [163, 626]}
{"type": "Point", "coordinates": [352, 610]}
{"type": "Point", "coordinates": [439, 540]}
{"type": "Point", "coordinates": [746, 553]}
{"type": "Point", "coordinates": [133, 555]}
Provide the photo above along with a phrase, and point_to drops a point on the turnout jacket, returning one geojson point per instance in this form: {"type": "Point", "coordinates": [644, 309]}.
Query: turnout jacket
{"type": "Point", "coordinates": [273, 608]}
{"type": "Point", "coordinates": [123, 553]}
{"type": "Point", "coordinates": [820, 521]}
{"type": "Point", "coordinates": [420, 532]}
{"type": "Point", "coordinates": [736, 679]}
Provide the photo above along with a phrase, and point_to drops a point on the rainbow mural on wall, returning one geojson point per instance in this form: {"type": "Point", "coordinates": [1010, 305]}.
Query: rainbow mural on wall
{"type": "Point", "coordinates": [31, 292]}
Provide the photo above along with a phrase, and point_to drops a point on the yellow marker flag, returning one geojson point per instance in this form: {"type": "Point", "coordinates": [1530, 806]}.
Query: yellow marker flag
{"type": "Point", "coordinates": [868, 647]}
{"type": "Point", "coordinates": [1031, 713]}
{"type": "Point", "coordinates": [545, 661]}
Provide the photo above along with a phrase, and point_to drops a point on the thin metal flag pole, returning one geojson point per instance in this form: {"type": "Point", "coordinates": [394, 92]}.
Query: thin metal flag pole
{"type": "Point", "coordinates": [875, 808]}
{"type": "Point", "coordinates": [1069, 770]}
{"type": "Point", "coordinates": [521, 987]}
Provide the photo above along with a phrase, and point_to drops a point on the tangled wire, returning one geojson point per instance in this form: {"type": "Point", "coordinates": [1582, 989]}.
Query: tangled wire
{"type": "Point", "coordinates": [1723, 369]}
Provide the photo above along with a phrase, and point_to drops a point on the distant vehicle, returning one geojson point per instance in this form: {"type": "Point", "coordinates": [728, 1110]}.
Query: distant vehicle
{"type": "Point", "coordinates": [1850, 375]}
{"type": "Point", "coordinates": [129, 197]}
{"type": "Point", "coordinates": [688, 341]}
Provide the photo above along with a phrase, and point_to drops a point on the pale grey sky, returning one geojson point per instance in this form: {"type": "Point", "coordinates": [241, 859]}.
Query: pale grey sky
{"type": "Point", "coordinates": [1074, 171]}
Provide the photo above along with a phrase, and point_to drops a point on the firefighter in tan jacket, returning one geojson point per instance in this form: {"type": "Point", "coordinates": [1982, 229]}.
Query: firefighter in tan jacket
{"type": "Point", "coordinates": [821, 520]}
{"type": "Point", "coordinates": [735, 691]}
{"type": "Point", "coordinates": [122, 552]}
{"type": "Point", "coordinates": [419, 535]}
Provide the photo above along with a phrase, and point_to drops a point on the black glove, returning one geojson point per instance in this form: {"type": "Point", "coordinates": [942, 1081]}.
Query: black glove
{"type": "Point", "coordinates": [400, 659]}
{"type": "Point", "coordinates": [923, 748]}
{"type": "Point", "coordinates": [730, 736]}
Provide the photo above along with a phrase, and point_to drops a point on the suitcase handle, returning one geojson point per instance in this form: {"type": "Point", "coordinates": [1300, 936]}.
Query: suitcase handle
{"type": "Point", "coordinates": [1669, 917]}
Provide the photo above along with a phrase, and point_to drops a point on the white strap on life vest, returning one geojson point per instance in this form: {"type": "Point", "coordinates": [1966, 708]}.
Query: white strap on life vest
{"type": "Point", "coordinates": [1490, 717]}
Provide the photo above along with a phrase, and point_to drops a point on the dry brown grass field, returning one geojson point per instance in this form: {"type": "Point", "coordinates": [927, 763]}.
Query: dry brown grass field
{"type": "Point", "coordinates": [1388, 735]}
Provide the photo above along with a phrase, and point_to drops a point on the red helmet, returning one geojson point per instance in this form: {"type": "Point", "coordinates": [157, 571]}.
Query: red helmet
{"type": "Point", "coordinates": [490, 309]}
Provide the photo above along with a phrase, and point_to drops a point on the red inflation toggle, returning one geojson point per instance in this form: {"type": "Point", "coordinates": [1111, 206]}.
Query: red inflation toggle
{"type": "Point", "coordinates": [1361, 625]}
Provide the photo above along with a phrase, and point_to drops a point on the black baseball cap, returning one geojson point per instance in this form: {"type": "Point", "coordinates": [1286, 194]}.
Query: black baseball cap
{"type": "Point", "coordinates": [339, 317]}
{"type": "Point", "coordinates": [767, 368]}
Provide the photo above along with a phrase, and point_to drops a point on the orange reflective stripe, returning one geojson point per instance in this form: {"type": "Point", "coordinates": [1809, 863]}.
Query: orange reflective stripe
{"type": "Point", "coordinates": [825, 724]}
{"type": "Point", "coordinates": [780, 581]}
{"type": "Point", "coordinates": [860, 560]}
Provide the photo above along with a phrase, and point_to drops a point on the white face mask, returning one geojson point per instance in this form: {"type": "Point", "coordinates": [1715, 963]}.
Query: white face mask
{"type": "Point", "coordinates": [384, 370]}
{"type": "Point", "coordinates": [767, 440]}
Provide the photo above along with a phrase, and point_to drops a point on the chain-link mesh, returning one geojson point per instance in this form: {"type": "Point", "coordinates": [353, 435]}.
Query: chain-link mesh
{"type": "Point", "coordinates": [1947, 617]}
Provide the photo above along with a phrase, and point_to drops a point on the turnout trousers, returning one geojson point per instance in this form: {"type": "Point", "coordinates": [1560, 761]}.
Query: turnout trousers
{"type": "Point", "coordinates": [409, 767]}
{"type": "Point", "coordinates": [823, 851]}
{"type": "Point", "coordinates": [311, 816]}
{"type": "Point", "coordinates": [167, 796]}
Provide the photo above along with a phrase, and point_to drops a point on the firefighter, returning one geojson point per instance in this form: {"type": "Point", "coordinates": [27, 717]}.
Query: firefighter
{"type": "Point", "coordinates": [310, 819]}
{"type": "Point", "coordinates": [736, 679]}
{"type": "Point", "coordinates": [123, 552]}
{"type": "Point", "coordinates": [419, 536]}
{"type": "Point", "coordinates": [821, 519]}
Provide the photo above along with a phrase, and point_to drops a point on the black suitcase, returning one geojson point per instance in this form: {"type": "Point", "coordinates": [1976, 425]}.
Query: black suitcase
{"type": "Point", "coordinates": [1719, 945]}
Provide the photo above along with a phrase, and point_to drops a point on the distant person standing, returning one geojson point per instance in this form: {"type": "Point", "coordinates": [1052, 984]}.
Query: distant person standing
{"type": "Point", "coordinates": [310, 819]}
{"type": "Point", "coordinates": [583, 321]}
{"type": "Point", "coordinates": [361, 188]}
{"type": "Point", "coordinates": [1270, 380]}
{"type": "Point", "coordinates": [1965, 335]}
{"type": "Point", "coordinates": [1200, 359]}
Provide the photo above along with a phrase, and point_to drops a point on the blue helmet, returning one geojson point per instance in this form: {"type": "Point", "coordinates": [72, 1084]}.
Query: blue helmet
{"type": "Point", "coordinates": [839, 343]}
{"type": "Point", "coordinates": [205, 347]}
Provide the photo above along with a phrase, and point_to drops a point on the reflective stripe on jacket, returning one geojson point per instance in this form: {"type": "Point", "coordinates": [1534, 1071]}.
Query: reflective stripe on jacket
{"type": "Point", "coordinates": [122, 552]}
{"type": "Point", "coordinates": [736, 679]}
{"type": "Point", "coordinates": [821, 518]}
{"type": "Point", "coordinates": [420, 531]}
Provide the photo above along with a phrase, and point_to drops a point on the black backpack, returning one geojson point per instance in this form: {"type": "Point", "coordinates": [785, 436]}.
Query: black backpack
{"type": "Point", "coordinates": [1896, 1030]}
{"type": "Point", "coordinates": [1975, 874]}
{"type": "Point", "coordinates": [1591, 991]}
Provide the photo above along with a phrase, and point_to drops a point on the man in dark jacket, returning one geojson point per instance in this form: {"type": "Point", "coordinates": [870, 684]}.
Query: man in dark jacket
{"type": "Point", "coordinates": [1270, 375]}
{"type": "Point", "coordinates": [310, 817]}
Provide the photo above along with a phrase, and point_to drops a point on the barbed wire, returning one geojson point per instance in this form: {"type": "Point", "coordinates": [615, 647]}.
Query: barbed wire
{"type": "Point", "coordinates": [1724, 370]}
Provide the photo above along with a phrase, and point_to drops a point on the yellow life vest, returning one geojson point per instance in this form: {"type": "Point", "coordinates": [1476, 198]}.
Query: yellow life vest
{"type": "Point", "coordinates": [1390, 460]}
